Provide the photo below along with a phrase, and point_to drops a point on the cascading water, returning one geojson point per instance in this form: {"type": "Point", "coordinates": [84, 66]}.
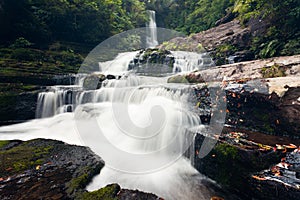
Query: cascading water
{"type": "Point", "coordinates": [152, 30]}
{"type": "Point", "coordinates": [176, 179]}
{"type": "Point", "coordinates": [190, 61]}
{"type": "Point", "coordinates": [68, 113]}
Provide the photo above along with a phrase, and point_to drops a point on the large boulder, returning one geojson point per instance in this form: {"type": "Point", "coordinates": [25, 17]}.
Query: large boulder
{"type": "Point", "coordinates": [93, 81]}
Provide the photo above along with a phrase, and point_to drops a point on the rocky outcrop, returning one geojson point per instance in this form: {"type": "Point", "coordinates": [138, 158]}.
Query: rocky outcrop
{"type": "Point", "coordinates": [114, 191]}
{"type": "Point", "coordinates": [252, 157]}
{"type": "Point", "coordinates": [223, 41]}
{"type": "Point", "coordinates": [267, 113]}
{"type": "Point", "coordinates": [152, 61]}
{"type": "Point", "coordinates": [47, 169]}
{"type": "Point", "coordinates": [94, 81]}
{"type": "Point", "coordinates": [239, 155]}
{"type": "Point", "coordinates": [281, 181]}
{"type": "Point", "coordinates": [289, 65]}
{"type": "Point", "coordinates": [256, 98]}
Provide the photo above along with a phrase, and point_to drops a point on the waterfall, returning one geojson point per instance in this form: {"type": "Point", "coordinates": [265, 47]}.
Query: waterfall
{"type": "Point", "coordinates": [119, 64]}
{"type": "Point", "coordinates": [190, 61]}
{"type": "Point", "coordinates": [141, 126]}
{"type": "Point", "coordinates": [151, 30]}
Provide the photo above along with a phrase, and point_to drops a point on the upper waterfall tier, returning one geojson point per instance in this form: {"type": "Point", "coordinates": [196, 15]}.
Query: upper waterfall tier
{"type": "Point", "coordinates": [152, 30]}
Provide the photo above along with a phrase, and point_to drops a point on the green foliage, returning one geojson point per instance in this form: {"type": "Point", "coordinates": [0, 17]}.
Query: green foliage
{"type": "Point", "coordinates": [21, 43]}
{"type": "Point", "coordinates": [189, 16]}
{"type": "Point", "coordinates": [282, 18]}
{"type": "Point", "coordinates": [3, 143]}
{"type": "Point", "coordinates": [85, 21]}
{"type": "Point", "coordinates": [26, 54]}
{"type": "Point", "coordinates": [222, 52]}
{"type": "Point", "coordinates": [269, 49]}
{"type": "Point", "coordinates": [292, 47]}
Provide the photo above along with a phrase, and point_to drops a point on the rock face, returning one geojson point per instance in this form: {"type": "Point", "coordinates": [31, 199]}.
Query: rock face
{"type": "Point", "coordinates": [228, 33]}
{"type": "Point", "coordinates": [236, 159]}
{"type": "Point", "coordinates": [265, 113]}
{"type": "Point", "coordinates": [18, 107]}
{"type": "Point", "coordinates": [257, 99]}
{"type": "Point", "coordinates": [282, 179]}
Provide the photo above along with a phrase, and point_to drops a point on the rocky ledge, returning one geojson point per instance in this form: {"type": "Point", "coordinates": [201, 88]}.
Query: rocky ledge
{"type": "Point", "coordinates": [262, 95]}
{"type": "Point", "coordinates": [47, 169]}
{"type": "Point", "coordinates": [257, 154]}
{"type": "Point", "coordinates": [245, 163]}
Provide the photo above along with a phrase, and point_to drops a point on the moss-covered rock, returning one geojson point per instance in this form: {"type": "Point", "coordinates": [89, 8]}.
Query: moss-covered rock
{"type": "Point", "coordinates": [148, 59]}
{"type": "Point", "coordinates": [188, 78]}
{"type": "Point", "coordinates": [108, 193]}
{"type": "Point", "coordinates": [48, 169]}
{"type": "Point", "coordinates": [45, 169]}
{"type": "Point", "coordinates": [232, 165]}
{"type": "Point", "coordinates": [273, 71]}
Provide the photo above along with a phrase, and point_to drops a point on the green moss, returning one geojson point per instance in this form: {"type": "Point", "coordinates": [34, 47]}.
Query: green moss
{"type": "Point", "coordinates": [76, 186]}
{"type": "Point", "coordinates": [264, 120]}
{"type": "Point", "coordinates": [22, 157]}
{"type": "Point", "coordinates": [107, 193]}
{"type": "Point", "coordinates": [3, 143]}
{"type": "Point", "coordinates": [222, 52]}
{"type": "Point", "coordinates": [273, 71]}
{"type": "Point", "coordinates": [178, 79]}
{"type": "Point", "coordinates": [224, 161]}
{"type": "Point", "coordinates": [227, 151]}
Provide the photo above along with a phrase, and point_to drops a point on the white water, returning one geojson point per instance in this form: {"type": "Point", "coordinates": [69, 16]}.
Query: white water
{"type": "Point", "coordinates": [161, 167]}
{"type": "Point", "coordinates": [173, 176]}
{"type": "Point", "coordinates": [190, 61]}
{"type": "Point", "coordinates": [119, 65]}
{"type": "Point", "coordinates": [152, 30]}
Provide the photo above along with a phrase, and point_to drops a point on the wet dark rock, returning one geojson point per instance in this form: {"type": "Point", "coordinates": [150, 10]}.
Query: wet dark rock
{"type": "Point", "coordinates": [240, 56]}
{"type": "Point", "coordinates": [280, 181]}
{"type": "Point", "coordinates": [266, 113]}
{"type": "Point", "coordinates": [39, 165]}
{"type": "Point", "coordinates": [110, 77]}
{"type": "Point", "coordinates": [48, 169]}
{"type": "Point", "coordinates": [17, 107]}
{"type": "Point", "coordinates": [114, 191]}
{"type": "Point", "coordinates": [202, 101]}
{"type": "Point", "coordinates": [153, 61]}
{"type": "Point", "coordinates": [235, 158]}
